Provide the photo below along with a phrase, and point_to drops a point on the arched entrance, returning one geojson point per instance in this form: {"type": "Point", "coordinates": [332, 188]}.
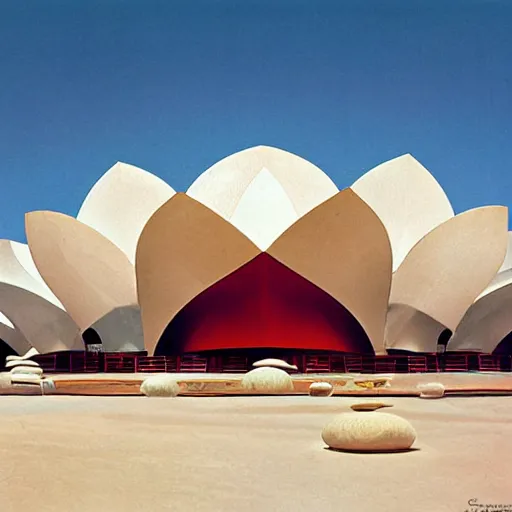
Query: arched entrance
{"type": "Point", "coordinates": [263, 304]}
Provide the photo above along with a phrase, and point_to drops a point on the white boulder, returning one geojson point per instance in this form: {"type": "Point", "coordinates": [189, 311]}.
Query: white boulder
{"type": "Point", "coordinates": [32, 352]}
{"type": "Point", "coordinates": [274, 363]}
{"type": "Point", "coordinates": [431, 390]}
{"type": "Point", "coordinates": [266, 380]}
{"type": "Point", "coordinates": [369, 432]}
{"type": "Point", "coordinates": [321, 389]}
{"type": "Point", "coordinates": [19, 378]}
{"type": "Point", "coordinates": [160, 385]}
{"type": "Point", "coordinates": [21, 362]}
{"type": "Point", "coordinates": [26, 370]}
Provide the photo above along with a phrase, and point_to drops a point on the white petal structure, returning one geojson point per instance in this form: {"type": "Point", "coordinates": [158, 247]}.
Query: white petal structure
{"type": "Point", "coordinates": [504, 276]}
{"type": "Point", "coordinates": [486, 322]}
{"type": "Point", "coordinates": [31, 307]}
{"type": "Point", "coordinates": [342, 247]}
{"type": "Point", "coordinates": [24, 256]}
{"type": "Point", "coordinates": [89, 274]}
{"type": "Point", "coordinates": [12, 336]}
{"type": "Point", "coordinates": [442, 275]}
{"type": "Point", "coordinates": [507, 262]}
{"type": "Point", "coordinates": [407, 199]}
{"type": "Point", "coordinates": [489, 319]}
{"type": "Point", "coordinates": [184, 249]}
{"type": "Point", "coordinates": [254, 186]}
{"type": "Point", "coordinates": [264, 210]}
{"type": "Point", "coordinates": [121, 202]}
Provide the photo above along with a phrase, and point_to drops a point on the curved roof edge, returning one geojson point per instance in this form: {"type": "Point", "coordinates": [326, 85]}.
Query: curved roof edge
{"type": "Point", "coordinates": [120, 203]}
{"type": "Point", "coordinates": [408, 200]}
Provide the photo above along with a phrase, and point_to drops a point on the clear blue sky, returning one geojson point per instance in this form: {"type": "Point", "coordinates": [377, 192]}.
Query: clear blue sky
{"type": "Point", "coordinates": [173, 87]}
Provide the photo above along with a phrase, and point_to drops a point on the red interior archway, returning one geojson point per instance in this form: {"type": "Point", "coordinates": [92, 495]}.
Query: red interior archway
{"type": "Point", "coordinates": [263, 304]}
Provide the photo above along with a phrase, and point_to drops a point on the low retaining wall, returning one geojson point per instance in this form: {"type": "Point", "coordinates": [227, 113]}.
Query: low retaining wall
{"type": "Point", "coordinates": [87, 362]}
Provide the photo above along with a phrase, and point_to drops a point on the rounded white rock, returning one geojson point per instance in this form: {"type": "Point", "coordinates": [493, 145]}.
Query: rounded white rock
{"type": "Point", "coordinates": [267, 380]}
{"type": "Point", "coordinates": [274, 363]}
{"type": "Point", "coordinates": [161, 386]}
{"type": "Point", "coordinates": [431, 390]}
{"type": "Point", "coordinates": [321, 389]}
{"type": "Point", "coordinates": [21, 362]}
{"type": "Point", "coordinates": [32, 352]}
{"type": "Point", "coordinates": [26, 370]}
{"type": "Point", "coordinates": [369, 432]}
{"type": "Point", "coordinates": [19, 378]}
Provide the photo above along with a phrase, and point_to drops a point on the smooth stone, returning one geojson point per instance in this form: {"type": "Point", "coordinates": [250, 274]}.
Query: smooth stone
{"type": "Point", "coordinates": [26, 370]}
{"type": "Point", "coordinates": [25, 379]}
{"type": "Point", "coordinates": [160, 386]}
{"type": "Point", "coordinates": [268, 380]}
{"type": "Point", "coordinates": [32, 352]}
{"type": "Point", "coordinates": [431, 390]}
{"type": "Point", "coordinates": [321, 389]}
{"type": "Point", "coordinates": [274, 363]}
{"type": "Point", "coordinates": [369, 432]}
{"type": "Point", "coordinates": [369, 406]}
{"type": "Point", "coordinates": [21, 362]}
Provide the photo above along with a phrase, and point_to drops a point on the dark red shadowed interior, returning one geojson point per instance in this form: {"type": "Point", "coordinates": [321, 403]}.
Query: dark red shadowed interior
{"type": "Point", "coordinates": [263, 304]}
{"type": "Point", "coordinates": [504, 346]}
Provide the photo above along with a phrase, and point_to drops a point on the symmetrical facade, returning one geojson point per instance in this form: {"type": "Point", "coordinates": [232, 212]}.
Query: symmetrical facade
{"type": "Point", "coordinates": [262, 251]}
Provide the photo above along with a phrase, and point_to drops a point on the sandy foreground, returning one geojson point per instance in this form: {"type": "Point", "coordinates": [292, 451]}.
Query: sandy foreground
{"type": "Point", "coordinates": [105, 454]}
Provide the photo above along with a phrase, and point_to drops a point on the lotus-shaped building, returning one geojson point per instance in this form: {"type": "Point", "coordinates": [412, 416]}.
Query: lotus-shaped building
{"type": "Point", "coordinates": [262, 255]}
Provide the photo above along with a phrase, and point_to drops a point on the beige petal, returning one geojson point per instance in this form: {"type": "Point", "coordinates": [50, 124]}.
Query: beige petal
{"type": "Point", "coordinates": [486, 322]}
{"type": "Point", "coordinates": [504, 275]}
{"type": "Point", "coordinates": [87, 272]}
{"type": "Point", "coordinates": [444, 273]}
{"type": "Point", "coordinates": [410, 329]}
{"type": "Point", "coordinates": [183, 250]}
{"type": "Point", "coordinates": [222, 186]}
{"type": "Point", "coordinates": [407, 199]}
{"type": "Point", "coordinates": [32, 308]}
{"type": "Point", "coordinates": [11, 335]}
{"type": "Point", "coordinates": [507, 262]}
{"type": "Point", "coordinates": [45, 326]}
{"type": "Point", "coordinates": [121, 202]}
{"type": "Point", "coordinates": [342, 247]}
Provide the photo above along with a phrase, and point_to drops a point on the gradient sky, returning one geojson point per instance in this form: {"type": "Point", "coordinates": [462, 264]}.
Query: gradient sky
{"type": "Point", "coordinates": [172, 87]}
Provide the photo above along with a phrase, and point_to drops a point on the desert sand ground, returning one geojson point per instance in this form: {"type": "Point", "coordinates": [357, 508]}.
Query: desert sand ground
{"type": "Point", "coordinates": [227, 454]}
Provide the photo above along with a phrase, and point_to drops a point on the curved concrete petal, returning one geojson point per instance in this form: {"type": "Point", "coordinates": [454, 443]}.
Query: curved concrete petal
{"type": "Point", "coordinates": [486, 322]}
{"type": "Point", "coordinates": [444, 273]}
{"type": "Point", "coordinates": [222, 186]}
{"type": "Point", "coordinates": [45, 326]}
{"type": "Point", "coordinates": [17, 268]}
{"type": "Point", "coordinates": [343, 248]}
{"type": "Point", "coordinates": [31, 308]}
{"type": "Point", "coordinates": [12, 336]}
{"type": "Point", "coordinates": [264, 210]}
{"type": "Point", "coordinates": [88, 273]}
{"type": "Point", "coordinates": [410, 329]}
{"type": "Point", "coordinates": [505, 272]}
{"type": "Point", "coordinates": [121, 330]}
{"type": "Point", "coordinates": [24, 256]}
{"type": "Point", "coordinates": [408, 200]}
{"type": "Point", "coordinates": [121, 202]}
{"type": "Point", "coordinates": [183, 250]}
{"type": "Point", "coordinates": [502, 279]}
{"type": "Point", "coordinates": [507, 262]}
